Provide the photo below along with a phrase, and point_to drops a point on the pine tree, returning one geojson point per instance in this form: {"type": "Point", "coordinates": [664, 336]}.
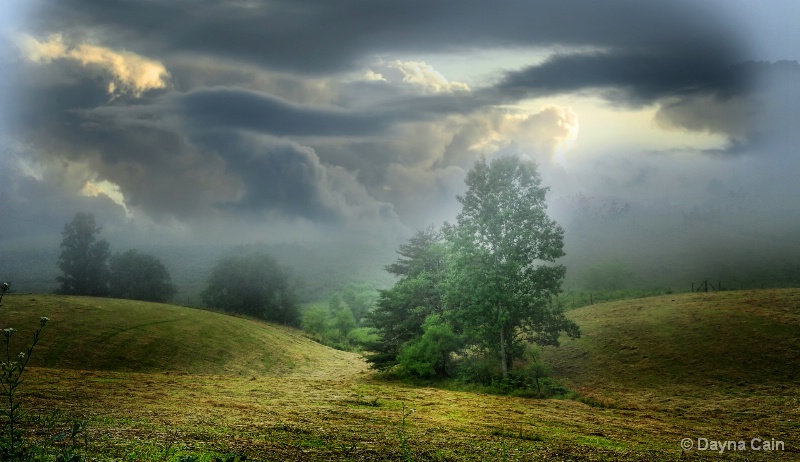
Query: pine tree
{"type": "Point", "coordinates": [401, 311]}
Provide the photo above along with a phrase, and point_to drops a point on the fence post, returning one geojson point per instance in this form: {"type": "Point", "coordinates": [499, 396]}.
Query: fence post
{"type": "Point", "coordinates": [693, 287]}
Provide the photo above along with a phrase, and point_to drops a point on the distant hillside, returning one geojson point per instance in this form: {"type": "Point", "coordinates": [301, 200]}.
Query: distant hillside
{"type": "Point", "coordinates": [730, 340]}
{"type": "Point", "coordinates": [123, 335]}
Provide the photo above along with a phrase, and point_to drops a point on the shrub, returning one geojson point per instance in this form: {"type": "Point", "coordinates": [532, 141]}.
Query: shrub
{"type": "Point", "coordinates": [430, 355]}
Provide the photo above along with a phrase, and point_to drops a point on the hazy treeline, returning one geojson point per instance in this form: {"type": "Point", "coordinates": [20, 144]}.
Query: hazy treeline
{"type": "Point", "coordinates": [88, 267]}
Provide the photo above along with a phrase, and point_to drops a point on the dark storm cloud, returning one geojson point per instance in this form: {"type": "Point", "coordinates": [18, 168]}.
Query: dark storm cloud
{"type": "Point", "coordinates": [323, 36]}
{"type": "Point", "coordinates": [204, 142]}
{"type": "Point", "coordinates": [634, 52]}
{"type": "Point", "coordinates": [632, 77]}
{"type": "Point", "coordinates": [240, 108]}
{"type": "Point", "coordinates": [276, 175]}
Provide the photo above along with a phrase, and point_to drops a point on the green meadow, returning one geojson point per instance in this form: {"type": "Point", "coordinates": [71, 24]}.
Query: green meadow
{"type": "Point", "coordinates": [160, 382]}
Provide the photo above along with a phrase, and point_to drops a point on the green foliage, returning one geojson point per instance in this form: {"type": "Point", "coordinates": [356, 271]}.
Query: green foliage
{"type": "Point", "coordinates": [252, 284]}
{"type": "Point", "coordinates": [503, 276]}
{"type": "Point", "coordinates": [334, 303]}
{"type": "Point", "coordinates": [316, 320]}
{"type": "Point", "coordinates": [361, 336]}
{"type": "Point", "coordinates": [360, 298]}
{"type": "Point", "coordinates": [138, 276]}
{"type": "Point", "coordinates": [338, 325]}
{"type": "Point", "coordinates": [344, 322]}
{"type": "Point", "coordinates": [477, 368]}
{"type": "Point", "coordinates": [429, 356]}
{"type": "Point", "coordinates": [84, 259]}
{"type": "Point", "coordinates": [401, 311]}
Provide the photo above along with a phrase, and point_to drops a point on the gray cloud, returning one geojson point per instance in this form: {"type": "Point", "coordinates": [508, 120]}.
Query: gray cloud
{"type": "Point", "coordinates": [231, 107]}
{"type": "Point", "coordinates": [635, 77]}
{"type": "Point", "coordinates": [318, 36]}
{"type": "Point", "coordinates": [285, 177]}
{"type": "Point", "coordinates": [263, 114]}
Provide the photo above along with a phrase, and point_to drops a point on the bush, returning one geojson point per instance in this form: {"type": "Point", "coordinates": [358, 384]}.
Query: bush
{"type": "Point", "coordinates": [478, 369]}
{"type": "Point", "coordinates": [362, 336]}
{"type": "Point", "coordinates": [429, 356]}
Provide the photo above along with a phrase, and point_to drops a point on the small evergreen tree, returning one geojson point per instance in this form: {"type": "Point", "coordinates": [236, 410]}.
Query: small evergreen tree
{"type": "Point", "coordinates": [84, 258]}
{"type": "Point", "coordinates": [401, 311]}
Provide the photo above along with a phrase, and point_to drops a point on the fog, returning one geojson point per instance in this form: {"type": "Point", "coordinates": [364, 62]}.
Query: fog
{"type": "Point", "coordinates": [329, 133]}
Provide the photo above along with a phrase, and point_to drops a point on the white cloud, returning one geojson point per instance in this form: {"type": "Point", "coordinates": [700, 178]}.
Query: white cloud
{"type": "Point", "coordinates": [129, 72]}
{"type": "Point", "coordinates": [106, 188]}
{"type": "Point", "coordinates": [416, 73]}
{"type": "Point", "coordinates": [552, 130]}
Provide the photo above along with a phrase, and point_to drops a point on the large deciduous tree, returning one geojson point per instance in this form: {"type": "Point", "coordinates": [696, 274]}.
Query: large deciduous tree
{"type": "Point", "coordinates": [139, 276]}
{"type": "Point", "coordinates": [84, 258]}
{"type": "Point", "coordinates": [253, 284]}
{"type": "Point", "coordinates": [504, 246]}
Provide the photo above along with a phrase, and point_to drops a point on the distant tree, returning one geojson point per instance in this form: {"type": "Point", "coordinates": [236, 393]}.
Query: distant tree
{"type": "Point", "coordinates": [335, 303]}
{"type": "Point", "coordinates": [344, 322]}
{"type": "Point", "coordinates": [503, 276]}
{"type": "Point", "coordinates": [360, 298]}
{"type": "Point", "coordinates": [138, 276]}
{"type": "Point", "coordinates": [253, 284]}
{"type": "Point", "coordinates": [84, 259]}
{"type": "Point", "coordinates": [316, 320]}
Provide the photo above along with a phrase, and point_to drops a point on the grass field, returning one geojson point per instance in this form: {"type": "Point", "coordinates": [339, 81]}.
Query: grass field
{"type": "Point", "coordinates": [158, 382]}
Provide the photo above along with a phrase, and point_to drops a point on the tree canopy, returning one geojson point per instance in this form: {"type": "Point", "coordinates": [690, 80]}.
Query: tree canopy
{"type": "Point", "coordinates": [504, 247]}
{"type": "Point", "coordinates": [84, 258]}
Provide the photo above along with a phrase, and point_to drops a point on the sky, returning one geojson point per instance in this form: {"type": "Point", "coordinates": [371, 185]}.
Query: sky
{"type": "Point", "coordinates": [300, 121]}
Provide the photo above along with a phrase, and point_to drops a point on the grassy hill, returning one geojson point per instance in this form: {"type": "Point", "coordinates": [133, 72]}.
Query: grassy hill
{"type": "Point", "coordinates": [124, 335]}
{"type": "Point", "coordinates": [652, 371]}
{"type": "Point", "coordinates": [735, 338]}
{"type": "Point", "coordinates": [722, 364]}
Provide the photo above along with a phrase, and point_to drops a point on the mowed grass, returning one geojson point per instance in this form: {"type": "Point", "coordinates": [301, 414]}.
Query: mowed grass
{"type": "Point", "coordinates": [157, 382]}
{"type": "Point", "coordinates": [726, 364]}
{"type": "Point", "coordinates": [104, 334]}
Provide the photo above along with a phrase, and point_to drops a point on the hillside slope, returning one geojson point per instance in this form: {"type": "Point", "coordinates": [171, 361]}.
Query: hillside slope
{"type": "Point", "coordinates": [730, 340]}
{"type": "Point", "coordinates": [124, 335]}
